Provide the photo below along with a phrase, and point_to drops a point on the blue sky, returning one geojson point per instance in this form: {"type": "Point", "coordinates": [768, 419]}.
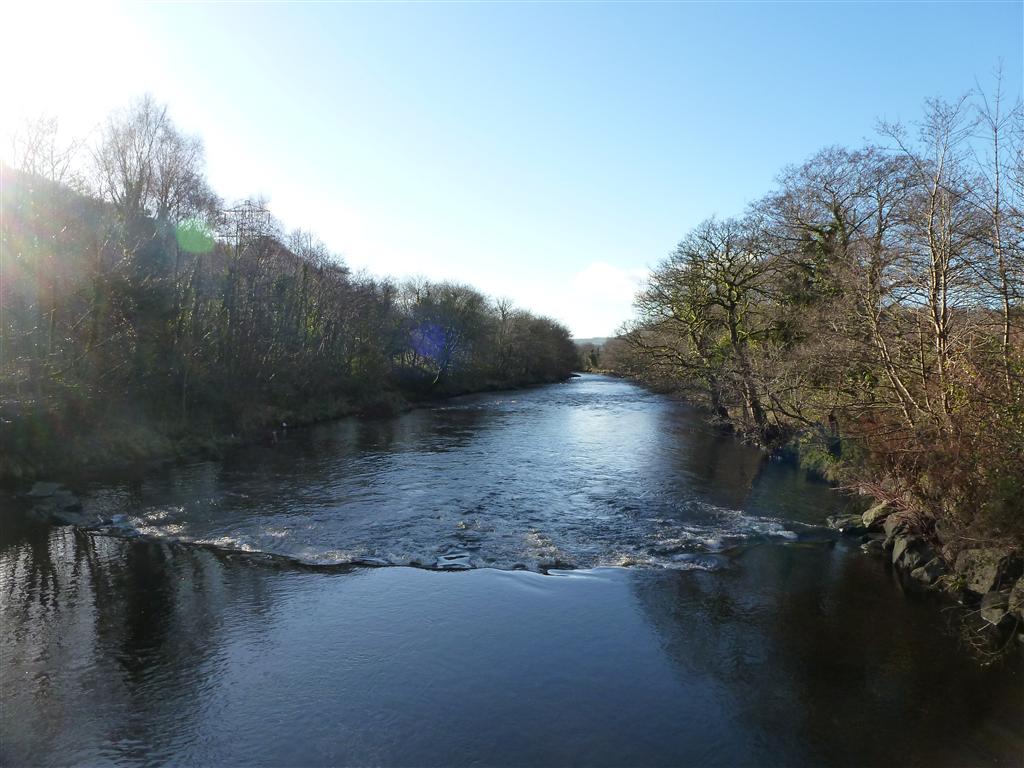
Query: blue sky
{"type": "Point", "coordinates": [548, 152]}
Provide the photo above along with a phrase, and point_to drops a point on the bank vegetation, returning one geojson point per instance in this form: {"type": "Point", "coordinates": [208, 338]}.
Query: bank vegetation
{"type": "Point", "coordinates": [867, 310]}
{"type": "Point", "coordinates": [142, 316]}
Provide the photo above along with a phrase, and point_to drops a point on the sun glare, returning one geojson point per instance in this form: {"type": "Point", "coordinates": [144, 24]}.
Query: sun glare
{"type": "Point", "coordinates": [71, 61]}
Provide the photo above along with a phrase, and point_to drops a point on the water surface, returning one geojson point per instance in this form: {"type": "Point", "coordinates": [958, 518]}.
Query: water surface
{"type": "Point", "coordinates": [594, 472]}
{"type": "Point", "coordinates": [739, 634]}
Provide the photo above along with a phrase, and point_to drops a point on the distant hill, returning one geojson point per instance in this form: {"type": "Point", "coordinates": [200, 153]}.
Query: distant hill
{"type": "Point", "coordinates": [596, 341]}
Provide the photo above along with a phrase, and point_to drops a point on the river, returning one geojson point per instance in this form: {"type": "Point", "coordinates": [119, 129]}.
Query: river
{"type": "Point", "coordinates": [601, 579]}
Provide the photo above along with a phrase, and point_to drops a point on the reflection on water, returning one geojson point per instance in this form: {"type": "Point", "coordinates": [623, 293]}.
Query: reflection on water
{"type": "Point", "coordinates": [825, 658]}
{"type": "Point", "coordinates": [756, 642]}
{"type": "Point", "coordinates": [132, 652]}
{"type": "Point", "coordinates": [590, 473]}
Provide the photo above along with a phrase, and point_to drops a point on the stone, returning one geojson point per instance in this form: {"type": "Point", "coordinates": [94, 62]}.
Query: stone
{"type": "Point", "coordinates": [993, 607]}
{"type": "Point", "coordinates": [65, 500]}
{"type": "Point", "coordinates": [43, 490]}
{"type": "Point", "coordinates": [454, 562]}
{"type": "Point", "coordinates": [930, 572]}
{"type": "Point", "coordinates": [909, 552]}
{"type": "Point", "coordinates": [1016, 601]}
{"type": "Point", "coordinates": [847, 524]}
{"type": "Point", "coordinates": [873, 547]}
{"type": "Point", "coordinates": [875, 517]}
{"type": "Point", "coordinates": [70, 517]}
{"type": "Point", "coordinates": [892, 525]}
{"type": "Point", "coordinates": [989, 569]}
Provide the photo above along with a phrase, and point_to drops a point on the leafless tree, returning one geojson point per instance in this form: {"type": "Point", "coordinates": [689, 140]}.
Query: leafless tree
{"type": "Point", "coordinates": [38, 148]}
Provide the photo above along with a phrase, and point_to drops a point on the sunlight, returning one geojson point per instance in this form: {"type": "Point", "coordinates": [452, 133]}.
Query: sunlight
{"type": "Point", "coordinates": [74, 61]}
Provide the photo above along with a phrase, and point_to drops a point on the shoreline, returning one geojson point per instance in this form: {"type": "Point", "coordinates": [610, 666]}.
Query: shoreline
{"type": "Point", "coordinates": [986, 581]}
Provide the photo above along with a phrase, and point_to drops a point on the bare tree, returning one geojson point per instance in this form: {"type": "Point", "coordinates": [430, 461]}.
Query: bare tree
{"type": "Point", "coordinates": [1001, 208]}
{"type": "Point", "coordinates": [38, 148]}
{"type": "Point", "coordinates": [146, 167]}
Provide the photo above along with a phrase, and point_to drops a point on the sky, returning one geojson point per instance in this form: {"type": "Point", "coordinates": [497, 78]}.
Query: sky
{"type": "Point", "coordinates": [550, 153]}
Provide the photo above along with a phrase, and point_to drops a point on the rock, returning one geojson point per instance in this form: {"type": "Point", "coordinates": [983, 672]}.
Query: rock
{"type": "Point", "coordinates": [993, 607]}
{"type": "Point", "coordinates": [454, 562]}
{"type": "Point", "coordinates": [54, 503]}
{"type": "Point", "coordinates": [909, 552]}
{"type": "Point", "coordinates": [60, 507]}
{"type": "Point", "coordinates": [42, 490]}
{"type": "Point", "coordinates": [1016, 602]}
{"type": "Point", "coordinates": [65, 500]}
{"type": "Point", "coordinates": [375, 562]}
{"type": "Point", "coordinates": [930, 572]}
{"type": "Point", "coordinates": [847, 524]}
{"type": "Point", "coordinates": [875, 517]}
{"type": "Point", "coordinates": [989, 569]}
{"type": "Point", "coordinates": [893, 525]}
{"type": "Point", "coordinates": [873, 547]}
{"type": "Point", "coordinates": [70, 517]}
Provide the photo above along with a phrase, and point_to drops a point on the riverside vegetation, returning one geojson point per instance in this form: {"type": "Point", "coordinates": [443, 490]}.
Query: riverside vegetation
{"type": "Point", "coordinates": [142, 317]}
{"type": "Point", "coordinates": [867, 313]}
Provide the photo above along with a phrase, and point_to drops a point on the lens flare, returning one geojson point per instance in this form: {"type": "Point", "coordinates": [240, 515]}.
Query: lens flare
{"type": "Point", "coordinates": [194, 236]}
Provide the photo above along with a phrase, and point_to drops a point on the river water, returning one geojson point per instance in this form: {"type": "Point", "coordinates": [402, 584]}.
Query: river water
{"type": "Point", "coordinates": [631, 587]}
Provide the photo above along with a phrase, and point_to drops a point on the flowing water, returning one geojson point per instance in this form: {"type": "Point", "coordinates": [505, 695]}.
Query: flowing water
{"type": "Point", "coordinates": [738, 632]}
{"type": "Point", "coordinates": [589, 473]}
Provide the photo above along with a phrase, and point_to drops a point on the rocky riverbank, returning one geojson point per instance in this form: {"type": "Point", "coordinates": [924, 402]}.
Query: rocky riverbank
{"type": "Point", "coordinates": [985, 576]}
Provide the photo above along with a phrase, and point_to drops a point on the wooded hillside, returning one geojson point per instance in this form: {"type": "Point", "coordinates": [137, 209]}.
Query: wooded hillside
{"type": "Point", "coordinates": [138, 308]}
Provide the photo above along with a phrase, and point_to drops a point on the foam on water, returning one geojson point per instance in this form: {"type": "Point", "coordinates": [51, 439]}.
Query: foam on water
{"type": "Point", "coordinates": [664, 545]}
{"type": "Point", "coordinates": [593, 473]}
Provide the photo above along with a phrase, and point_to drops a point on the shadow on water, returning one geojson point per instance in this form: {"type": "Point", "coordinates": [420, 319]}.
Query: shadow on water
{"type": "Point", "coordinates": [109, 644]}
{"type": "Point", "coordinates": [825, 661]}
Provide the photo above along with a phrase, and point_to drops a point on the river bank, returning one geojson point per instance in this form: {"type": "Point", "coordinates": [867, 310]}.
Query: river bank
{"type": "Point", "coordinates": [987, 577]}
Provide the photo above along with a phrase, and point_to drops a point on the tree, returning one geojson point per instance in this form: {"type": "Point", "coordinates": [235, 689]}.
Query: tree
{"type": "Point", "coordinates": [38, 148]}
{"type": "Point", "coordinates": [700, 312]}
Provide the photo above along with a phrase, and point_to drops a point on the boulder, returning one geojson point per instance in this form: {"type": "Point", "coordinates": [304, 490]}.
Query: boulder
{"type": "Point", "coordinates": [43, 490]}
{"type": "Point", "coordinates": [892, 525]}
{"type": "Point", "coordinates": [1016, 601]}
{"type": "Point", "coordinates": [67, 501]}
{"type": "Point", "coordinates": [993, 607]}
{"type": "Point", "coordinates": [989, 569]}
{"type": "Point", "coordinates": [873, 547]}
{"type": "Point", "coordinates": [930, 572]}
{"type": "Point", "coordinates": [71, 517]}
{"type": "Point", "coordinates": [875, 517]}
{"type": "Point", "coordinates": [847, 524]}
{"type": "Point", "coordinates": [60, 507]}
{"type": "Point", "coordinates": [909, 552]}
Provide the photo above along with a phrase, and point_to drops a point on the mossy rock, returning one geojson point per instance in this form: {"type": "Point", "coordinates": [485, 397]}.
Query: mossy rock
{"type": "Point", "coordinates": [989, 569]}
{"type": "Point", "coordinates": [1016, 601]}
{"type": "Point", "coordinates": [875, 517]}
